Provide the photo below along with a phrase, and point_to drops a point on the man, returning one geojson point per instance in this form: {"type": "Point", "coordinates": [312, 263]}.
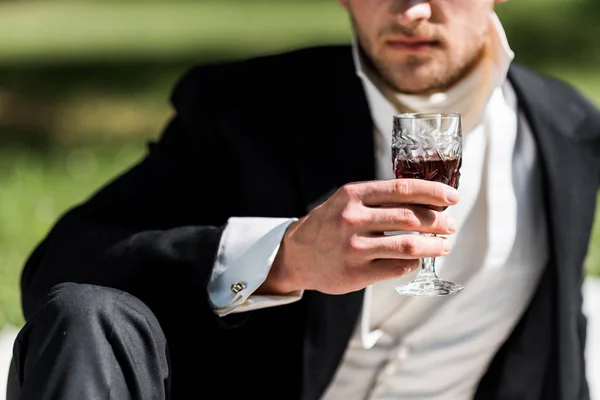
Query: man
{"type": "Point", "coordinates": [246, 254]}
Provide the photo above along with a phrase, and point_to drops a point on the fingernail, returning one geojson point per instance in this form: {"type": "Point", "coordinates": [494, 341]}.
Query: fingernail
{"type": "Point", "coordinates": [452, 195]}
{"type": "Point", "coordinates": [451, 225]}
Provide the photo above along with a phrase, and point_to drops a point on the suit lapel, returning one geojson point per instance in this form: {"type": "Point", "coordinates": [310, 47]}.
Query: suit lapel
{"type": "Point", "coordinates": [570, 192]}
{"type": "Point", "coordinates": [555, 124]}
{"type": "Point", "coordinates": [335, 148]}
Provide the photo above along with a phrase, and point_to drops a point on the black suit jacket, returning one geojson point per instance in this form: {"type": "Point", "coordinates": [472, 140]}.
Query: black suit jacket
{"type": "Point", "coordinates": [272, 136]}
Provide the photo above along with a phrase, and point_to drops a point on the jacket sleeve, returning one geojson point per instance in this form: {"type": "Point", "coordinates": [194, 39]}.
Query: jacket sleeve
{"type": "Point", "coordinates": [153, 231]}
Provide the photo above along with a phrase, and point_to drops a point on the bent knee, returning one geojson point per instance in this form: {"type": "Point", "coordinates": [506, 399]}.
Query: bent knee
{"type": "Point", "coordinates": [84, 303]}
{"type": "Point", "coordinates": [81, 300]}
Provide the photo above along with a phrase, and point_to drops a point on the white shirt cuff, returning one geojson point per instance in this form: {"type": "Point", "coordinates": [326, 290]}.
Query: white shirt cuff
{"type": "Point", "coordinates": [246, 252]}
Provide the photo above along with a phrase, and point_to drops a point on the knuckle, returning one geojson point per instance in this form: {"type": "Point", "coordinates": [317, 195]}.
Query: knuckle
{"type": "Point", "coordinates": [402, 187]}
{"type": "Point", "coordinates": [411, 265]}
{"type": "Point", "coordinates": [403, 267]}
{"type": "Point", "coordinates": [408, 245]}
{"type": "Point", "coordinates": [356, 244]}
{"type": "Point", "coordinates": [349, 191]}
{"type": "Point", "coordinates": [406, 266]}
{"type": "Point", "coordinates": [408, 217]}
{"type": "Point", "coordinates": [351, 216]}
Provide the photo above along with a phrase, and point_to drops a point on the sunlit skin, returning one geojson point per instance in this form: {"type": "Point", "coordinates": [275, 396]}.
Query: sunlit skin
{"type": "Point", "coordinates": [420, 46]}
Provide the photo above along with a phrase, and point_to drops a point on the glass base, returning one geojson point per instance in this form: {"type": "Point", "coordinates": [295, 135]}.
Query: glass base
{"type": "Point", "coordinates": [429, 287]}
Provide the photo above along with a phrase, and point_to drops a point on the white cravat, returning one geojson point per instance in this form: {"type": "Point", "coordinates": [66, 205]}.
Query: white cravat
{"type": "Point", "coordinates": [429, 348]}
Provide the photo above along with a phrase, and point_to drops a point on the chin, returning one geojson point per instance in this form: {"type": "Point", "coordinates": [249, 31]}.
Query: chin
{"type": "Point", "coordinates": [421, 83]}
{"type": "Point", "coordinates": [415, 90]}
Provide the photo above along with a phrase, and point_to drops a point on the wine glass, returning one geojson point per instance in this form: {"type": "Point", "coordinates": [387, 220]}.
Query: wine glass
{"type": "Point", "coordinates": [428, 146]}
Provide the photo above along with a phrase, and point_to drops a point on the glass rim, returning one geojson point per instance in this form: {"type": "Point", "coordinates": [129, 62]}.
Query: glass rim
{"type": "Point", "coordinates": [427, 115]}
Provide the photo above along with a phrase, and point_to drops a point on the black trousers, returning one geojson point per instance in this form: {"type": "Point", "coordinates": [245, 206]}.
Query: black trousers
{"type": "Point", "coordinates": [89, 342]}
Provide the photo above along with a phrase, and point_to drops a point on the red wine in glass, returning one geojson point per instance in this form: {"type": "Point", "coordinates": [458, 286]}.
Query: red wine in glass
{"type": "Point", "coordinates": [445, 170]}
{"type": "Point", "coordinates": [428, 146]}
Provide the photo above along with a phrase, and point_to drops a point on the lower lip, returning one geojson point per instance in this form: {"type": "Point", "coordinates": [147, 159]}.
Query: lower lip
{"type": "Point", "coordinates": [411, 47]}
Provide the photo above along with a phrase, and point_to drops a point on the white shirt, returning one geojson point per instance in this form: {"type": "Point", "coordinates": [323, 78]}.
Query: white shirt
{"type": "Point", "coordinates": [430, 348]}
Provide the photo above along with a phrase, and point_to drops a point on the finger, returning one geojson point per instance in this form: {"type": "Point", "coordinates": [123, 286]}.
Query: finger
{"type": "Point", "coordinates": [410, 218]}
{"type": "Point", "coordinates": [405, 246]}
{"type": "Point", "coordinates": [413, 191]}
{"type": "Point", "coordinates": [383, 269]}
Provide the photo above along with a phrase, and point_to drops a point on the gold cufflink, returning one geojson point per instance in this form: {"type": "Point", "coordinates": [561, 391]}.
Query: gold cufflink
{"type": "Point", "coordinates": [238, 287]}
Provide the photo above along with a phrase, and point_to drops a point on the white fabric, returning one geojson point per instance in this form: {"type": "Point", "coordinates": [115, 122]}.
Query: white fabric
{"type": "Point", "coordinates": [432, 348]}
{"type": "Point", "coordinates": [246, 251]}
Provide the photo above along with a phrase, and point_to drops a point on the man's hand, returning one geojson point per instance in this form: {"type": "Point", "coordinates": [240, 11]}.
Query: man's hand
{"type": "Point", "coordinates": [340, 246]}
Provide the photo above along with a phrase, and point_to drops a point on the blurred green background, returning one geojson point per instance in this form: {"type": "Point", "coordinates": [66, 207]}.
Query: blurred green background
{"type": "Point", "coordinates": [84, 85]}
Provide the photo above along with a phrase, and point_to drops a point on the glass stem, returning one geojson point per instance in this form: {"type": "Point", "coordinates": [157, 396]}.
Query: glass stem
{"type": "Point", "coordinates": [427, 270]}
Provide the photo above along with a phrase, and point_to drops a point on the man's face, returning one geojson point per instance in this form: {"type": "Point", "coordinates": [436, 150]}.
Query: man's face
{"type": "Point", "coordinates": [421, 46]}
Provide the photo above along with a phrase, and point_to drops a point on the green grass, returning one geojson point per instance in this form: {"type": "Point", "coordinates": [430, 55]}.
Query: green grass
{"type": "Point", "coordinates": [36, 188]}
{"type": "Point", "coordinates": [77, 31]}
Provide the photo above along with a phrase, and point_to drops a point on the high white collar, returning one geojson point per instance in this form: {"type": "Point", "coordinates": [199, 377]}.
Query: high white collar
{"type": "Point", "coordinates": [467, 97]}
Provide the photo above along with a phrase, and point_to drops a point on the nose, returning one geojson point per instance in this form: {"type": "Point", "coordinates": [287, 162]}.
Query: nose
{"type": "Point", "coordinates": [411, 11]}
